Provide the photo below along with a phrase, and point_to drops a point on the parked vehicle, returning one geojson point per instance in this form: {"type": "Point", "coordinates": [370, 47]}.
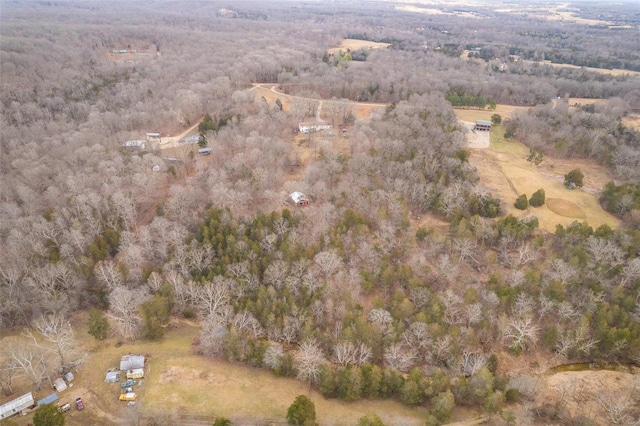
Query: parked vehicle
{"type": "Point", "coordinates": [64, 407]}
{"type": "Point", "coordinates": [127, 384]}
{"type": "Point", "coordinates": [131, 396]}
{"type": "Point", "coordinates": [79, 403]}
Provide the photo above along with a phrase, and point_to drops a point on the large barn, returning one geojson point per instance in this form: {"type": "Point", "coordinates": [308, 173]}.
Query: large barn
{"type": "Point", "coordinates": [129, 362]}
{"type": "Point", "coordinates": [482, 125]}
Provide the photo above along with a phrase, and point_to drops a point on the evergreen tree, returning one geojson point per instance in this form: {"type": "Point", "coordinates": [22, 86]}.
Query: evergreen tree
{"type": "Point", "coordinates": [48, 415]}
{"type": "Point", "coordinates": [302, 412]}
{"type": "Point", "coordinates": [574, 179]}
{"type": "Point", "coordinates": [538, 198]}
{"type": "Point", "coordinates": [98, 324]}
{"type": "Point", "coordinates": [370, 420]}
{"type": "Point", "coordinates": [442, 405]}
{"type": "Point", "coordinates": [521, 202]}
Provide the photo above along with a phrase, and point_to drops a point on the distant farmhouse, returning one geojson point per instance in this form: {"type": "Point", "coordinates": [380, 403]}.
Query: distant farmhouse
{"type": "Point", "coordinates": [299, 199]}
{"type": "Point", "coordinates": [311, 127]}
{"type": "Point", "coordinates": [190, 139]}
{"type": "Point", "coordinates": [482, 125]}
{"type": "Point", "coordinates": [139, 144]}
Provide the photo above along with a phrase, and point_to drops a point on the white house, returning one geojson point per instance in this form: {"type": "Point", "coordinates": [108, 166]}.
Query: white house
{"type": "Point", "coordinates": [312, 127]}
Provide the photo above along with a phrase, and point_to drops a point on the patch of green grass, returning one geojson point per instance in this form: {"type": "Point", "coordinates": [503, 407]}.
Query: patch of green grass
{"type": "Point", "coordinates": [507, 146]}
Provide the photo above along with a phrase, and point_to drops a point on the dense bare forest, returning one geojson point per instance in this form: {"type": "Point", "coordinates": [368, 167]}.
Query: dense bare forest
{"type": "Point", "coordinates": [404, 278]}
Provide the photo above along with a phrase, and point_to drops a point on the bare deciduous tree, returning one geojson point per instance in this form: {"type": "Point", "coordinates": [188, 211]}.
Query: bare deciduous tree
{"type": "Point", "coordinates": [213, 335]}
{"type": "Point", "coordinates": [399, 357]}
{"type": "Point", "coordinates": [472, 362]}
{"type": "Point", "coordinates": [328, 262]}
{"type": "Point", "coordinates": [32, 360]}
{"type": "Point", "coordinates": [382, 318]}
{"type": "Point", "coordinates": [212, 298]}
{"type": "Point", "coordinates": [520, 332]}
{"type": "Point", "coordinates": [58, 332]}
{"type": "Point", "coordinates": [273, 356]}
{"type": "Point", "coordinates": [346, 353]}
{"type": "Point", "coordinates": [307, 361]}
{"type": "Point", "coordinates": [246, 323]}
{"type": "Point", "coordinates": [124, 314]}
{"type": "Point", "coordinates": [109, 274]}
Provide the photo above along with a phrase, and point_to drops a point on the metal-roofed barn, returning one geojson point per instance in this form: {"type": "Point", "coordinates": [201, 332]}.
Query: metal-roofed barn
{"type": "Point", "coordinates": [130, 362]}
{"type": "Point", "coordinates": [299, 199]}
{"type": "Point", "coordinates": [49, 399]}
{"type": "Point", "coordinates": [482, 125]}
{"type": "Point", "coordinates": [16, 405]}
{"type": "Point", "coordinates": [59, 384]}
{"type": "Point", "coordinates": [112, 377]}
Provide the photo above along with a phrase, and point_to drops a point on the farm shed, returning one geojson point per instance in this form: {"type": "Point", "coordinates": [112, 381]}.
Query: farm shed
{"type": "Point", "coordinates": [112, 377]}
{"type": "Point", "coordinates": [69, 377]}
{"type": "Point", "coordinates": [129, 362]}
{"type": "Point", "coordinates": [299, 199]}
{"type": "Point", "coordinates": [59, 384]}
{"type": "Point", "coordinates": [136, 373]}
{"type": "Point", "coordinates": [16, 405]}
{"type": "Point", "coordinates": [482, 125]}
{"type": "Point", "coordinates": [48, 399]}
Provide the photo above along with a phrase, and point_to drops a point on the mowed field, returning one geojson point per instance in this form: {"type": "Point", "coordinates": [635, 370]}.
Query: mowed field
{"type": "Point", "coordinates": [504, 170]}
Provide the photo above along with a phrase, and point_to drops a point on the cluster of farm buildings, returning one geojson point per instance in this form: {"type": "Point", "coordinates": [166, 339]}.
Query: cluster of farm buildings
{"type": "Point", "coordinates": [25, 403]}
{"type": "Point", "coordinates": [131, 367]}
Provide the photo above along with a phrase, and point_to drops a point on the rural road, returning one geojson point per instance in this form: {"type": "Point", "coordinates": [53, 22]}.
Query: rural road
{"type": "Point", "coordinates": [476, 140]}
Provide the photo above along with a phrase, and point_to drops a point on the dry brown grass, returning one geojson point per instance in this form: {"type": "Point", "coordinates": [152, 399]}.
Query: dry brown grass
{"type": "Point", "coordinates": [473, 115]}
{"type": "Point", "coordinates": [179, 381]}
{"type": "Point", "coordinates": [353, 44]}
{"type": "Point", "coordinates": [565, 208]}
{"type": "Point", "coordinates": [632, 120]}
{"type": "Point", "coordinates": [504, 170]}
{"type": "Point", "coordinates": [194, 384]}
{"type": "Point", "coordinates": [614, 72]}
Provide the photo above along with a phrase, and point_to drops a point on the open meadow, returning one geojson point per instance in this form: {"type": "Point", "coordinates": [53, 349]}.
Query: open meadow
{"type": "Point", "coordinates": [504, 170]}
{"type": "Point", "coordinates": [179, 384]}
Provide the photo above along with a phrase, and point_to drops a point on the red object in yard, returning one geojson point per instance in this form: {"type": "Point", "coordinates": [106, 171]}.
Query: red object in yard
{"type": "Point", "coordinates": [79, 404]}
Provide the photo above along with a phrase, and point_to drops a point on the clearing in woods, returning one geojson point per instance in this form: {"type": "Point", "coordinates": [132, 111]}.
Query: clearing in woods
{"type": "Point", "coordinates": [179, 382]}
{"type": "Point", "coordinates": [504, 170]}
{"type": "Point", "coordinates": [353, 44]}
{"type": "Point", "coordinates": [502, 167]}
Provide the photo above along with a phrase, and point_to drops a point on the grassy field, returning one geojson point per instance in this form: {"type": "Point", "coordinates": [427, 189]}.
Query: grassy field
{"type": "Point", "coordinates": [353, 44]}
{"type": "Point", "coordinates": [485, 114]}
{"type": "Point", "coordinates": [178, 381]}
{"type": "Point", "coordinates": [504, 170]}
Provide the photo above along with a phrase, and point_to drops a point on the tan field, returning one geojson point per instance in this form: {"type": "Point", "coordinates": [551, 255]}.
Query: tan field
{"type": "Point", "coordinates": [504, 170]}
{"type": "Point", "coordinates": [473, 115]}
{"type": "Point", "coordinates": [614, 71]}
{"type": "Point", "coordinates": [353, 44]}
{"type": "Point", "coordinates": [180, 382]}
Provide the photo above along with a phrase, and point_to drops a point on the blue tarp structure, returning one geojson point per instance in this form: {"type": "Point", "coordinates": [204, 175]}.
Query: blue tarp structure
{"type": "Point", "coordinates": [48, 399]}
